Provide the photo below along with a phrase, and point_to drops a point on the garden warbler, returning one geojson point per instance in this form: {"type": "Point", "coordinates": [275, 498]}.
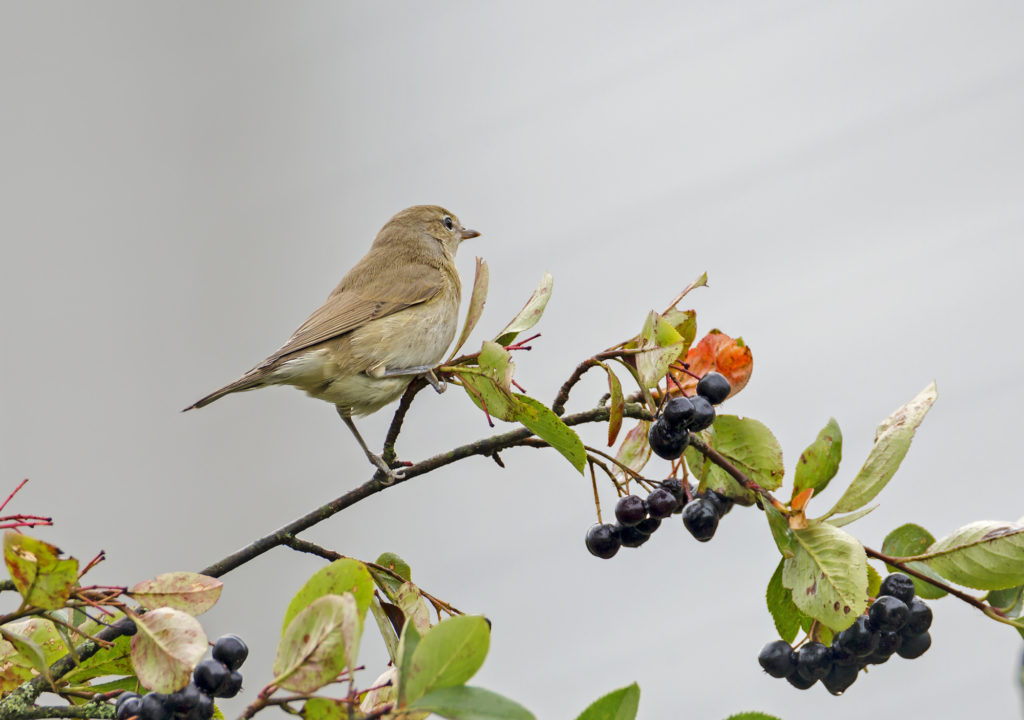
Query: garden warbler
{"type": "Point", "coordinates": [390, 319]}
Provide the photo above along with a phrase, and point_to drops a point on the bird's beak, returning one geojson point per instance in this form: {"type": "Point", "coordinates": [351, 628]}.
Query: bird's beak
{"type": "Point", "coordinates": [465, 234]}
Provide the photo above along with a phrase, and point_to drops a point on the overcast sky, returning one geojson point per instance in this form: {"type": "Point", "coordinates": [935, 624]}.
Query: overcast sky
{"type": "Point", "coordinates": [183, 183]}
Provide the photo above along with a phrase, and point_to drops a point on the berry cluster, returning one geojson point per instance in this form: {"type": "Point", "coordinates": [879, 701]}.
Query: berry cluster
{"type": "Point", "coordinates": [216, 677]}
{"type": "Point", "coordinates": [670, 433]}
{"type": "Point", "coordinates": [896, 623]}
{"type": "Point", "coordinates": [638, 518]}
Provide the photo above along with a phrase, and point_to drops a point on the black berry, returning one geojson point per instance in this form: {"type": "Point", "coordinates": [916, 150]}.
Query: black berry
{"type": "Point", "coordinates": [230, 687]}
{"type": "Point", "coordinates": [813, 661]}
{"type": "Point", "coordinates": [714, 388]}
{"type": "Point", "coordinates": [230, 650]}
{"type": "Point", "coordinates": [127, 705]}
{"type": "Point", "coordinates": [841, 655]}
{"type": "Point", "coordinates": [704, 414]}
{"type": "Point", "coordinates": [184, 700]}
{"type": "Point", "coordinates": [661, 503]}
{"type": "Point", "coordinates": [914, 646]}
{"type": "Point", "coordinates": [678, 412]}
{"type": "Point", "coordinates": [202, 711]}
{"type": "Point", "coordinates": [898, 586]}
{"type": "Point", "coordinates": [701, 519]}
{"type": "Point", "coordinates": [209, 674]}
{"type": "Point", "coordinates": [632, 536]}
{"type": "Point", "coordinates": [602, 540]}
{"type": "Point", "coordinates": [648, 525]}
{"type": "Point", "coordinates": [889, 643]}
{"type": "Point", "coordinates": [722, 503]}
{"type": "Point", "coordinates": [888, 614]}
{"type": "Point", "coordinates": [840, 677]}
{"type": "Point", "coordinates": [667, 441]}
{"type": "Point", "coordinates": [859, 639]}
{"type": "Point", "coordinates": [152, 707]}
{"type": "Point", "coordinates": [920, 618]}
{"type": "Point", "coordinates": [630, 510]}
{"type": "Point", "coordinates": [799, 681]}
{"type": "Point", "coordinates": [777, 659]}
{"type": "Point", "coordinates": [676, 488]}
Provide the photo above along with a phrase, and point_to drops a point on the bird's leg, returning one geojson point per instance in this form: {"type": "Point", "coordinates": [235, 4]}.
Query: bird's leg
{"type": "Point", "coordinates": [425, 370]}
{"type": "Point", "coordinates": [389, 475]}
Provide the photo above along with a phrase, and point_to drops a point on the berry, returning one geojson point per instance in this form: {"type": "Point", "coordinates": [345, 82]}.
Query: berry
{"type": "Point", "coordinates": [648, 525]}
{"type": "Point", "coordinates": [859, 639]}
{"type": "Point", "coordinates": [839, 678]}
{"type": "Point", "coordinates": [127, 705]}
{"type": "Point", "coordinates": [630, 510]}
{"type": "Point", "coordinates": [230, 650]}
{"type": "Point", "coordinates": [209, 674]}
{"type": "Point", "coordinates": [632, 537]}
{"type": "Point", "coordinates": [202, 711]}
{"type": "Point", "coordinates": [678, 412]}
{"type": "Point", "coordinates": [704, 415]}
{"type": "Point", "coordinates": [888, 614]}
{"type": "Point", "coordinates": [914, 646]}
{"type": "Point", "coordinates": [888, 643]}
{"type": "Point", "coordinates": [666, 441]}
{"type": "Point", "coordinates": [777, 659]}
{"type": "Point", "coordinates": [126, 626]}
{"type": "Point", "coordinates": [701, 519]}
{"type": "Point", "coordinates": [920, 618]}
{"type": "Point", "coordinates": [661, 503]}
{"type": "Point", "coordinates": [230, 687]}
{"type": "Point", "coordinates": [714, 388]}
{"type": "Point", "coordinates": [152, 707]}
{"type": "Point", "coordinates": [799, 681]}
{"type": "Point", "coordinates": [841, 655]}
{"type": "Point", "coordinates": [813, 661]}
{"type": "Point", "coordinates": [676, 488]}
{"type": "Point", "coordinates": [184, 700]}
{"type": "Point", "coordinates": [603, 540]}
{"type": "Point", "coordinates": [898, 586]}
{"type": "Point", "coordinates": [722, 503]}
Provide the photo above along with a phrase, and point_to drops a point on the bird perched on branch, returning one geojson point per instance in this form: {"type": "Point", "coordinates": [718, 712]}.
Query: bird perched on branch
{"type": "Point", "coordinates": [390, 319]}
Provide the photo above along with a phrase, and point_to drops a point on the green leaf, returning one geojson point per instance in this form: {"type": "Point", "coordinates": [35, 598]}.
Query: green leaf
{"type": "Point", "coordinates": [407, 645]}
{"type": "Point", "coordinates": [781, 532]}
{"type": "Point", "coordinates": [752, 716]}
{"type": "Point", "coordinates": [619, 704]}
{"type": "Point", "coordinates": [841, 520]}
{"type": "Point", "coordinates": [42, 633]}
{"type": "Point", "coordinates": [114, 660]}
{"type": "Point", "coordinates": [616, 405]}
{"type": "Point", "coordinates": [892, 440]}
{"type": "Point", "coordinates": [166, 648]}
{"type": "Point", "coordinates": [489, 388]}
{"type": "Point", "coordinates": [319, 642]}
{"type": "Point", "coordinates": [635, 451]}
{"type": "Point", "coordinates": [874, 582]}
{"type": "Point", "coordinates": [785, 613]}
{"type": "Point", "coordinates": [750, 446]}
{"type": "Point", "coordinates": [819, 463]}
{"type": "Point", "coordinates": [410, 601]}
{"type": "Point", "coordinates": [388, 583]}
{"type": "Point", "coordinates": [542, 422]}
{"type": "Point", "coordinates": [910, 539]}
{"type": "Point", "coordinates": [463, 702]}
{"type": "Point", "coordinates": [985, 555]}
{"type": "Point", "coordinates": [186, 591]}
{"type": "Point", "coordinates": [476, 304]}
{"type": "Point", "coordinates": [448, 655]}
{"type": "Point", "coordinates": [530, 314]}
{"type": "Point", "coordinates": [40, 575]}
{"type": "Point", "coordinates": [341, 576]}
{"type": "Point", "coordinates": [387, 629]}
{"type": "Point", "coordinates": [828, 575]}
{"type": "Point", "coordinates": [1010, 602]}
{"type": "Point", "coordinates": [319, 708]}
{"type": "Point", "coordinates": [27, 651]}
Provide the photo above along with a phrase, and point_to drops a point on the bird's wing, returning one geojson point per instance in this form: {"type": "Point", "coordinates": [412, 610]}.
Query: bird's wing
{"type": "Point", "coordinates": [357, 301]}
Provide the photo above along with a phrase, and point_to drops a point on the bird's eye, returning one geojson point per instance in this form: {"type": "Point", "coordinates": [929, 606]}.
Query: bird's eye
{"type": "Point", "coordinates": [448, 222]}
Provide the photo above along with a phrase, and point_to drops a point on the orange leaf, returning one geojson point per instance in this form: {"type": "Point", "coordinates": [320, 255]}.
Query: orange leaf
{"type": "Point", "coordinates": [716, 352]}
{"type": "Point", "coordinates": [800, 501]}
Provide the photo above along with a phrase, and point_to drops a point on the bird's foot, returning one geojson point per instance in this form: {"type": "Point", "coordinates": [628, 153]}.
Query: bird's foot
{"type": "Point", "coordinates": [385, 474]}
{"type": "Point", "coordinates": [439, 385]}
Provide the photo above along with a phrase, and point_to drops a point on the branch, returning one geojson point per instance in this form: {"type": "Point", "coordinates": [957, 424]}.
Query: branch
{"type": "Point", "coordinates": [895, 562]}
{"type": "Point", "coordinates": [558, 406]}
{"type": "Point", "coordinates": [484, 448]}
{"type": "Point", "coordinates": [415, 386]}
{"type": "Point", "coordinates": [92, 710]}
{"type": "Point", "coordinates": [721, 461]}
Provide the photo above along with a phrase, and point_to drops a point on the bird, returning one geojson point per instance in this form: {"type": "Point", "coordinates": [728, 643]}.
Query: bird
{"type": "Point", "coordinates": [389, 320]}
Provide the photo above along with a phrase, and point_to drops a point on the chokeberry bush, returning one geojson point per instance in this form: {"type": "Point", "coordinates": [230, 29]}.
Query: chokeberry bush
{"type": "Point", "coordinates": [140, 651]}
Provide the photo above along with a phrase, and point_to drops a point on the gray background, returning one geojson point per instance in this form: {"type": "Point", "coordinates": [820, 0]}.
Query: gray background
{"type": "Point", "coordinates": [182, 183]}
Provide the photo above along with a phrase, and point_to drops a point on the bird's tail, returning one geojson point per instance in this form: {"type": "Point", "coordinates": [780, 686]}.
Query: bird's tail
{"type": "Point", "coordinates": [246, 382]}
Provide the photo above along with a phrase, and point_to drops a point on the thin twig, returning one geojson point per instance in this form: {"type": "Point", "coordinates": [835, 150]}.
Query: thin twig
{"type": "Point", "coordinates": [13, 493]}
{"type": "Point", "coordinates": [904, 567]}
{"type": "Point", "coordinates": [415, 386]}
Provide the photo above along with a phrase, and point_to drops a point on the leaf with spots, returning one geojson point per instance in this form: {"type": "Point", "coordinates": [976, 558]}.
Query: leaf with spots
{"type": "Point", "coordinates": [43, 578]}
{"type": "Point", "coordinates": [827, 575]}
{"type": "Point", "coordinates": [166, 648]}
{"type": "Point", "coordinates": [319, 642]}
{"type": "Point", "coordinates": [819, 463]}
{"type": "Point", "coordinates": [986, 555]}
{"type": "Point", "coordinates": [186, 591]}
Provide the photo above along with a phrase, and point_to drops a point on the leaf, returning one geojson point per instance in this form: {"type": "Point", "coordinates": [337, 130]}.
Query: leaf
{"type": "Point", "coordinates": [341, 576]}
{"type": "Point", "coordinates": [619, 704]}
{"type": "Point", "coordinates": [388, 583]}
{"type": "Point", "coordinates": [27, 651]}
{"type": "Point", "coordinates": [489, 383]}
{"type": "Point", "coordinates": [40, 575]}
{"type": "Point", "coordinates": [413, 606]}
{"type": "Point", "coordinates": [186, 591]}
{"type": "Point", "coordinates": [781, 532]}
{"type": "Point", "coordinates": [652, 363]}
{"type": "Point", "coordinates": [531, 312]}
{"type": "Point", "coordinates": [635, 451]}
{"type": "Point", "coordinates": [828, 575]}
{"type": "Point", "coordinates": [910, 539]}
{"type": "Point", "coordinates": [874, 582]}
{"type": "Point", "coordinates": [1010, 602]}
{"type": "Point", "coordinates": [384, 692]}
{"type": "Point", "coordinates": [819, 463]}
{"type": "Point", "coordinates": [463, 702]}
{"type": "Point", "coordinates": [407, 645]}
{"type": "Point", "coordinates": [784, 612]}
{"type": "Point", "coordinates": [985, 555]}
{"type": "Point", "coordinates": [115, 660]}
{"type": "Point", "coordinates": [448, 655]}
{"type": "Point", "coordinates": [752, 716]}
{"type": "Point", "coordinates": [841, 520]}
{"type": "Point", "coordinates": [542, 422]}
{"type": "Point", "coordinates": [750, 446]}
{"type": "Point", "coordinates": [892, 440]}
{"type": "Point", "coordinates": [476, 304]}
{"type": "Point", "coordinates": [319, 708]}
{"type": "Point", "coordinates": [388, 628]}
{"type": "Point", "coordinates": [166, 648]}
{"type": "Point", "coordinates": [716, 352]}
{"type": "Point", "coordinates": [42, 633]}
{"type": "Point", "coordinates": [319, 642]}
{"type": "Point", "coordinates": [616, 405]}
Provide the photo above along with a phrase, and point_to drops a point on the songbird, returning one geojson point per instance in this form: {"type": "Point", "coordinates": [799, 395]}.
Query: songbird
{"type": "Point", "coordinates": [390, 319]}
